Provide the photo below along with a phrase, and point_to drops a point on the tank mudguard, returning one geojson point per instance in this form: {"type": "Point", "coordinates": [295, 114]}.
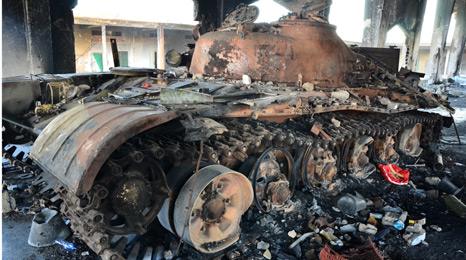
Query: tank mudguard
{"type": "Point", "coordinates": [75, 145]}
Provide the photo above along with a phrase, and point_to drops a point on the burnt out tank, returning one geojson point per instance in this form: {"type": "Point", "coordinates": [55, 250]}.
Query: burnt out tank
{"type": "Point", "coordinates": [265, 108]}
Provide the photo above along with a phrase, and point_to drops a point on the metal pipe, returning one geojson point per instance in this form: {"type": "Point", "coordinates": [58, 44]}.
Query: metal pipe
{"type": "Point", "coordinates": [456, 129]}
{"type": "Point", "coordinates": [438, 163]}
{"type": "Point", "coordinates": [30, 129]}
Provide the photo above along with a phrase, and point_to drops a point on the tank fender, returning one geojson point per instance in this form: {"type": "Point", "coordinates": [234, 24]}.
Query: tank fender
{"type": "Point", "coordinates": [75, 145]}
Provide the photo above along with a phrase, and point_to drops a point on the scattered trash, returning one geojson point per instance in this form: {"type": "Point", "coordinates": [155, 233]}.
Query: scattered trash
{"type": "Point", "coordinates": [434, 181]}
{"type": "Point", "coordinates": [267, 254]}
{"type": "Point", "coordinates": [85, 253]}
{"type": "Point", "coordinates": [449, 187]}
{"type": "Point", "coordinates": [328, 234]}
{"type": "Point", "coordinates": [300, 239]}
{"type": "Point", "coordinates": [348, 228]}
{"type": "Point", "coordinates": [367, 228]}
{"type": "Point", "coordinates": [394, 174]}
{"type": "Point", "coordinates": [432, 194]}
{"type": "Point", "coordinates": [414, 233]}
{"type": "Point", "coordinates": [47, 228]}
{"type": "Point", "coordinates": [436, 228]}
{"type": "Point", "coordinates": [395, 220]}
{"type": "Point", "coordinates": [351, 204]}
{"type": "Point", "coordinates": [68, 246]}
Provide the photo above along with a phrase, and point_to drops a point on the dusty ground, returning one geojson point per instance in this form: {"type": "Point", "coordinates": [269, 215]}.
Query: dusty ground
{"type": "Point", "coordinates": [272, 228]}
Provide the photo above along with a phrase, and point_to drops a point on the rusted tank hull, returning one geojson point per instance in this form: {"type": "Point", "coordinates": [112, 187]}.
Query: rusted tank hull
{"type": "Point", "coordinates": [295, 47]}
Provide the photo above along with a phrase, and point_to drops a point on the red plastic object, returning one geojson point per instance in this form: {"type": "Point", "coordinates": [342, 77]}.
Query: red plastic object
{"type": "Point", "coordinates": [394, 174]}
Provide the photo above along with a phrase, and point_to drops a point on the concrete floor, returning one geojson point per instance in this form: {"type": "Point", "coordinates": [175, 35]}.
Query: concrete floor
{"type": "Point", "coordinates": [15, 233]}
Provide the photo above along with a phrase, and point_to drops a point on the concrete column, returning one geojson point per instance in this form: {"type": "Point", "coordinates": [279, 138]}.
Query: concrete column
{"type": "Point", "coordinates": [437, 55]}
{"type": "Point", "coordinates": [26, 41]}
{"type": "Point", "coordinates": [379, 18]}
{"type": "Point", "coordinates": [459, 39]}
{"type": "Point", "coordinates": [372, 19]}
{"type": "Point", "coordinates": [160, 48]}
{"type": "Point", "coordinates": [62, 21]}
{"type": "Point", "coordinates": [413, 38]}
{"type": "Point", "coordinates": [104, 48]}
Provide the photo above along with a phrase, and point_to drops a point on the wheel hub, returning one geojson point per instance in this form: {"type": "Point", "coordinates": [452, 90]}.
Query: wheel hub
{"type": "Point", "coordinates": [130, 195]}
{"type": "Point", "coordinates": [213, 209]}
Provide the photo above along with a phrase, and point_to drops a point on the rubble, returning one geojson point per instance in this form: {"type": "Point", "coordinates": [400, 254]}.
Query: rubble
{"type": "Point", "coordinates": [292, 234]}
{"type": "Point", "coordinates": [263, 245]}
{"type": "Point", "coordinates": [267, 254]}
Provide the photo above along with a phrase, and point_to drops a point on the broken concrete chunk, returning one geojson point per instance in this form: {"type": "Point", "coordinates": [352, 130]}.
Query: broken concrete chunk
{"type": "Point", "coordinates": [267, 254]}
{"type": "Point", "coordinates": [292, 234]}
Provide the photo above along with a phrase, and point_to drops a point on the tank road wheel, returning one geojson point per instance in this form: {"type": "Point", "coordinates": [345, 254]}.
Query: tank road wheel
{"type": "Point", "coordinates": [358, 161]}
{"type": "Point", "coordinates": [319, 167]}
{"type": "Point", "coordinates": [209, 207]}
{"type": "Point", "coordinates": [272, 179]}
{"type": "Point", "coordinates": [132, 196]}
{"type": "Point", "coordinates": [384, 149]}
{"type": "Point", "coordinates": [410, 140]}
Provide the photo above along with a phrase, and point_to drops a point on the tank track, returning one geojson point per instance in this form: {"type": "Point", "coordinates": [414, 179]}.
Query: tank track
{"type": "Point", "coordinates": [314, 142]}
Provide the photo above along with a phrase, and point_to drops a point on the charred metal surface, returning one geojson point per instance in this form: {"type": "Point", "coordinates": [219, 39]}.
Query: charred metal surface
{"type": "Point", "coordinates": [275, 55]}
{"type": "Point", "coordinates": [75, 145]}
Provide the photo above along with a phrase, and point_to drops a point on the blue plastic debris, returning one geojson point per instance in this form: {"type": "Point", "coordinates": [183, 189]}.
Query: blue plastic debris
{"type": "Point", "coordinates": [66, 245]}
{"type": "Point", "coordinates": [399, 225]}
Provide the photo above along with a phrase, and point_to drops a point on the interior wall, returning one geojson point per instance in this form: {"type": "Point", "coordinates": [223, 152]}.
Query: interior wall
{"type": "Point", "coordinates": [140, 43]}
